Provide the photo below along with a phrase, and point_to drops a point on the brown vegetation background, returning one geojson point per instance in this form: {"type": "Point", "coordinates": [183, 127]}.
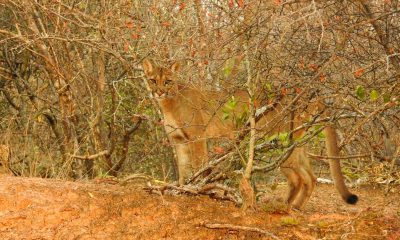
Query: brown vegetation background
{"type": "Point", "coordinates": [73, 101]}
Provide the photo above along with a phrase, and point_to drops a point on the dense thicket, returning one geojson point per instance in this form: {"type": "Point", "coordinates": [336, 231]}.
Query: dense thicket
{"type": "Point", "coordinates": [73, 102]}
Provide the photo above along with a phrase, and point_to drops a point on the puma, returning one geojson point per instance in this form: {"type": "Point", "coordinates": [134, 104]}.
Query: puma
{"type": "Point", "coordinates": [191, 116]}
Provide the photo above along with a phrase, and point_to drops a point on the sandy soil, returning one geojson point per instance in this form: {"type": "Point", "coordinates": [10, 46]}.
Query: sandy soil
{"type": "Point", "coordinates": [33, 208]}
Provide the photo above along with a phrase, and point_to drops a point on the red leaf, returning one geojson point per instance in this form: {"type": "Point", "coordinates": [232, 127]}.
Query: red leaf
{"type": "Point", "coordinates": [312, 66]}
{"type": "Point", "coordinates": [126, 47]}
{"type": "Point", "coordinates": [322, 78]}
{"type": "Point", "coordinates": [230, 4]}
{"type": "Point", "coordinates": [129, 24]}
{"type": "Point", "coordinates": [359, 72]}
{"type": "Point", "coordinates": [135, 36]}
{"type": "Point", "coordinates": [283, 91]}
{"type": "Point", "coordinates": [218, 150]}
{"type": "Point", "coordinates": [241, 3]}
{"type": "Point", "coordinates": [301, 64]}
{"type": "Point", "coordinates": [182, 6]}
{"type": "Point", "coordinates": [166, 24]}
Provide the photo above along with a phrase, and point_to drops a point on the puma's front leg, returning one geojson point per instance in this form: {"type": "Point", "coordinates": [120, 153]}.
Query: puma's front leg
{"type": "Point", "coordinates": [190, 158]}
{"type": "Point", "coordinates": [183, 161]}
{"type": "Point", "coordinates": [198, 154]}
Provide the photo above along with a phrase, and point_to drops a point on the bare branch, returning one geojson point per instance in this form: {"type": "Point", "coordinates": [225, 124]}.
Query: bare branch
{"type": "Point", "coordinates": [91, 157]}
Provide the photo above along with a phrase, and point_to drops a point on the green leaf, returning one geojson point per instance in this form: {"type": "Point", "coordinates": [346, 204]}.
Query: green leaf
{"type": "Point", "coordinates": [316, 128]}
{"type": "Point", "coordinates": [374, 95]}
{"type": "Point", "coordinates": [268, 87]}
{"type": "Point", "coordinates": [386, 98]}
{"type": "Point", "coordinates": [272, 138]}
{"type": "Point", "coordinates": [284, 136]}
{"type": "Point", "coordinates": [269, 90]}
{"type": "Point", "coordinates": [242, 118]}
{"type": "Point", "coordinates": [230, 105]}
{"type": "Point", "coordinates": [289, 221]}
{"type": "Point", "coordinates": [227, 71]}
{"type": "Point", "coordinates": [228, 67]}
{"type": "Point", "coordinates": [225, 116]}
{"type": "Point", "coordinates": [82, 5]}
{"type": "Point", "coordinates": [347, 172]}
{"type": "Point", "coordinates": [360, 92]}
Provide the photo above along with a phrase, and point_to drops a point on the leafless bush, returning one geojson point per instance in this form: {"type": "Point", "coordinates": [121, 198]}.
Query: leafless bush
{"type": "Point", "coordinates": [73, 102]}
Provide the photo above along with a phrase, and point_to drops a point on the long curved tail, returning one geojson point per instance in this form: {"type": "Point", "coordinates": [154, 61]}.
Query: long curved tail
{"type": "Point", "coordinates": [336, 172]}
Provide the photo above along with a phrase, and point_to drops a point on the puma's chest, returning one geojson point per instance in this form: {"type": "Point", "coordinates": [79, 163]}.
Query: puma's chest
{"type": "Point", "coordinates": [170, 110]}
{"type": "Point", "coordinates": [173, 122]}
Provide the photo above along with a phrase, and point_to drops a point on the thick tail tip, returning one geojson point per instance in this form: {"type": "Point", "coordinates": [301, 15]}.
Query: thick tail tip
{"type": "Point", "coordinates": [352, 199]}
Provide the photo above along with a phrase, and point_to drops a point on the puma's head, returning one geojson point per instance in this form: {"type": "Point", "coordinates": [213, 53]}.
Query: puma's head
{"type": "Point", "coordinates": [161, 81]}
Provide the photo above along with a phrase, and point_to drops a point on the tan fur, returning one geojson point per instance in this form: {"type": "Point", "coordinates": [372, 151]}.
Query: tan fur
{"type": "Point", "coordinates": [192, 116]}
{"type": "Point", "coordinates": [5, 155]}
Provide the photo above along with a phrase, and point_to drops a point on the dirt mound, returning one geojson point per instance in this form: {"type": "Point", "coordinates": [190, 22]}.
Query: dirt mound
{"type": "Point", "coordinates": [32, 208]}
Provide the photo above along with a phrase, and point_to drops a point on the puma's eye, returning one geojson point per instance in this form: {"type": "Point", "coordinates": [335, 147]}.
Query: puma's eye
{"type": "Point", "coordinates": [168, 81]}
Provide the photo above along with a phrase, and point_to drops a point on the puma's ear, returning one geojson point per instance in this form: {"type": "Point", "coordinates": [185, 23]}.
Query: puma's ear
{"type": "Point", "coordinates": [147, 66]}
{"type": "Point", "coordinates": [175, 67]}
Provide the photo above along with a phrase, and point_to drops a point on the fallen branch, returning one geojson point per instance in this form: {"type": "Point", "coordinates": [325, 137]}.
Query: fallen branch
{"type": "Point", "coordinates": [134, 177]}
{"type": "Point", "coordinates": [167, 186]}
{"type": "Point", "coordinates": [210, 165]}
{"type": "Point", "coordinates": [238, 228]}
{"type": "Point", "coordinates": [214, 190]}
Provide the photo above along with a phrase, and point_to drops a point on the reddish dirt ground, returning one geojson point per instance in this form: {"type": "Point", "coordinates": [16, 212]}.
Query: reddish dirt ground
{"type": "Point", "coordinates": [32, 208]}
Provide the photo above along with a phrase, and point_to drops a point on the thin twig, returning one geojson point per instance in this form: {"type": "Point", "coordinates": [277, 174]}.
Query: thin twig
{"type": "Point", "coordinates": [338, 157]}
{"type": "Point", "coordinates": [363, 122]}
